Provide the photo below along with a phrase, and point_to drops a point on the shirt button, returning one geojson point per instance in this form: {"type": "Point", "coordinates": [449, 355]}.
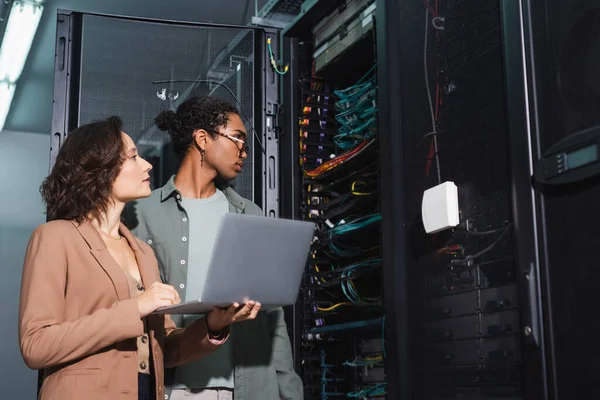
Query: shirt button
{"type": "Point", "coordinates": [182, 286]}
{"type": "Point", "coordinates": [184, 238]}
{"type": "Point", "coordinates": [182, 262]}
{"type": "Point", "coordinates": [166, 397]}
{"type": "Point", "coordinates": [144, 339]}
{"type": "Point", "coordinates": [143, 366]}
{"type": "Point", "coordinates": [178, 196]}
{"type": "Point", "coordinates": [140, 287]}
{"type": "Point", "coordinates": [149, 241]}
{"type": "Point", "coordinates": [184, 219]}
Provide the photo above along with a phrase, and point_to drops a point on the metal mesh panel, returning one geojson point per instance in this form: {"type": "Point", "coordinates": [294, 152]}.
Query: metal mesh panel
{"type": "Point", "coordinates": [463, 317]}
{"type": "Point", "coordinates": [122, 59]}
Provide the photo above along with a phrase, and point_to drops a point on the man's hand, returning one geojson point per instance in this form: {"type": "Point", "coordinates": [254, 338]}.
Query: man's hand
{"type": "Point", "coordinates": [219, 319]}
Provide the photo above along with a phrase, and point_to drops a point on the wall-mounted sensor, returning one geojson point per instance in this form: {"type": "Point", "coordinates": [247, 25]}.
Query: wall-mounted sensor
{"type": "Point", "coordinates": [440, 207]}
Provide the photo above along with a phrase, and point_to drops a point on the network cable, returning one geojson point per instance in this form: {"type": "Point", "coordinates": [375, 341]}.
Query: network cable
{"type": "Point", "coordinates": [484, 251]}
{"type": "Point", "coordinates": [364, 362]}
{"type": "Point", "coordinates": [357, 110]}
{"type": "Point", "coordinates": [336, 232]}
{"type": "Point", "coordinates": [336, 162]}
{"type": "Point", "coordinates": [369, 391]}
{"type": "Point", "coordinates": [273, 62]}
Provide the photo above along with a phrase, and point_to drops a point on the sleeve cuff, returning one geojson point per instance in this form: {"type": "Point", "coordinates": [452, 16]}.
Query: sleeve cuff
{"type": "Point", "coordinates": [216, 337]}
{"type": "Point", "coordinates": [131, 321]}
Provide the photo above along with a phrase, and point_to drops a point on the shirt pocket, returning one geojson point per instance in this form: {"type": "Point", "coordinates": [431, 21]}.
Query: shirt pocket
{"type": "Point", "coordinates": [154, 240]}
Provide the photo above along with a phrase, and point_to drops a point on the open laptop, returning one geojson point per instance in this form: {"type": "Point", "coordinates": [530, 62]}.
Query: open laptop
{"type": "Point", "coordinates": [254, 258]}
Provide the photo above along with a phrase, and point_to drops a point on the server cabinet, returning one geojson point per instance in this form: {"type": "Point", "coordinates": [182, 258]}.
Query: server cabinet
{"type": "Point", "coordinates": [464, 311]}
{"type": "Point", "coordinates": [332, 141]}
{"type": "Point", "coordinates": [134, 68]}
{"type": "Point", "coordinates": [552, 58]}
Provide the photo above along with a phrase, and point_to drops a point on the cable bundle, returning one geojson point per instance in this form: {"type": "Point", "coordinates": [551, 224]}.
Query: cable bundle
{"type": "Point", "coordinates": [369, 391]}
{"type": "Point", "coordinates": [334, 234]}
{"type": "Point", "coordinates": [357, 112]}
{"type": "Point", "coordinates": [364, 362]}
{"type": "Point", "coordinates": [347, 283]}
{"type": "Point", "coordinates": [336, 162]}
{"type": "Point", "coordinates": [342, 285]}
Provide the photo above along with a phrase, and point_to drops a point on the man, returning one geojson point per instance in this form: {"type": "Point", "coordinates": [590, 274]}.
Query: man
{"type": "Point", "coordinates": [180, 221]}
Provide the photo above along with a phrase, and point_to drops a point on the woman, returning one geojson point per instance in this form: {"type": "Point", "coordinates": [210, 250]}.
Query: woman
{"type": "Point", "coordinates": [180, 222]}
{"type": "Point", "coordinates": [90, 287]}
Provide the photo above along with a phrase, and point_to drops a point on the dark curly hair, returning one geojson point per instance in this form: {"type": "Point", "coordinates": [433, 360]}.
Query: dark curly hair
{"type": "Point", "coordinates": [87, 164]}
{"type": "Point", "coordinates": [195, 113]}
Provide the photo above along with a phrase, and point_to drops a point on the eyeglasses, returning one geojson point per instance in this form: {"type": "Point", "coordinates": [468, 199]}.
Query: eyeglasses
{"type": "Point", "coordinates": [244, 149]}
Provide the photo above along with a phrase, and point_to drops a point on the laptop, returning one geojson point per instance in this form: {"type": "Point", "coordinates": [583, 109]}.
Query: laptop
{"type": "Point", "coordinates": [254, 258]}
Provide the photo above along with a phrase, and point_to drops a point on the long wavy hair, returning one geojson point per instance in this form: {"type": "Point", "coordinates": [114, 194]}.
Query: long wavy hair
{"type": "Point", "coordinates": [81, 181]}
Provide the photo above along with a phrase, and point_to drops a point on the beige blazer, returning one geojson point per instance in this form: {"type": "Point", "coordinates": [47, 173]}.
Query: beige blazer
{"type": "Point", "coordinates": [78, 322]}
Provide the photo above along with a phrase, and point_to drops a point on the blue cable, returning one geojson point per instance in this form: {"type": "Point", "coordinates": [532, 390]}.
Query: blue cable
{"type": "Point", "coordinates": [362, 363]}
{"type": "Point", "coordinates": [273, 62]}
{"type": "Point", "coordinates": [348, 274]}
{"type": "Point", "coordinates": [356, 109]}
{"type": "Point", "coordinates": [354, 225]}
{"type": "Point", "coordinates": [340, 230]}
{"type": "Point", "coordinates": [375, 390]}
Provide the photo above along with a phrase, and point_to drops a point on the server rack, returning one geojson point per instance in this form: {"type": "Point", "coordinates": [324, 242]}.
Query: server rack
{"type": "Point", "coordinates": [456, 304]}
{"type": "Point", "coordinates": [341, 345]}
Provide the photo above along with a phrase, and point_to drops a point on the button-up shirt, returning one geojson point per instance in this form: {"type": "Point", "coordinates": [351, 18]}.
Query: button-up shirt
{"type": "Point", "coordinates": [261, 348]}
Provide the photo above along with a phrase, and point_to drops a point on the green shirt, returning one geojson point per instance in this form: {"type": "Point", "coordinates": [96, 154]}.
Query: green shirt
{"type": "Point", "coordinates": [262, 354]}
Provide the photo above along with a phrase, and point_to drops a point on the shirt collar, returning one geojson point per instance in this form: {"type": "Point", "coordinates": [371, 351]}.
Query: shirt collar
{"type": "Point", "coordinates": [169, 190]}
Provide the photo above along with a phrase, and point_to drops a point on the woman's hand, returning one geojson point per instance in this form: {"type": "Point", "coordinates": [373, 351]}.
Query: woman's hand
{"type": "Point", "coordinates": [219, 318]}
{"type": "Point", "coordinates": [156, 296]}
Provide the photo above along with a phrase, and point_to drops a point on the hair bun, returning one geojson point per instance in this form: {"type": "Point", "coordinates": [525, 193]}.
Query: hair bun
{"type": "Point", "coordinates": [168, 120]}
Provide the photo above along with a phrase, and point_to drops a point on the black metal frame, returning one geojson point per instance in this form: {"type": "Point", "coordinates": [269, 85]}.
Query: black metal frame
{"type": "Point", "coordinates": [394, 241]}
{"type": "Point", "coordinates": [267, 100]}
{"type": "Point", "coordinates": [289, 171]}
{"type": "Point", "coordinates": [66, 96]}
{"type": "Point", "coordinates": [520, 82]}
{"type": "Point", "coordinates": [65, 105]}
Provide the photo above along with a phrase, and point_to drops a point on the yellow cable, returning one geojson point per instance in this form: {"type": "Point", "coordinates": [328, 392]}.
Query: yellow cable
{"type": "Point", "coordinates": [354, 184]}
{"type": "Point", "coordinates": [354, 192]}
{"type": "Point", "coordinates": [334, 306]}
{"type": "Point", "coordinates": [317, 269]}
